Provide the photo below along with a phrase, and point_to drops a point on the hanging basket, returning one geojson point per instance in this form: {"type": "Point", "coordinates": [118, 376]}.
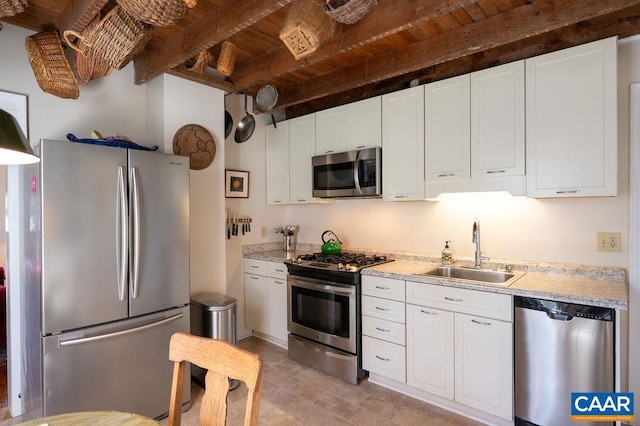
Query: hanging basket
{"type": "Point", "coordinates": [348, 11]}
{"type": "Point", "coordinates": [12, 7]}
{"type": "Point", "coordinates": [87, 68]}
{"type": "Point", "coordinates": [306, 27]}
{"type": "Point", "coordinates": [50, 66]}
{"type": "Point", "coordinates": [115, 40]}
{"type": "Point", "coordinates": [200, 63]}
{"type": "Point", "coordinates": [161, 13]}
{"type": "Point", "coordinates": [227, 58]}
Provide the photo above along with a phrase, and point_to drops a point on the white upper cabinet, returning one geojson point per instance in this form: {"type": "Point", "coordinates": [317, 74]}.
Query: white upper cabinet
{"type": "Point", "coordinates": [353, 126]}
{"type": "Point", "coordinates": [364, 123]}
{"type": "Point", "coordinates": [302, 136]}
{"type": "Point", "coordinates": [331, 130]}
{"type": "Point", "coordinates": [572, 122]}
{"type": "Point", "coordinates": [497, 121]}
{"type": "Point", "coordinates": [403, 145]}
{"type": "Point", "coordinates": [277, 153]}
{"type": "Point", "coordinates": [447, 150]}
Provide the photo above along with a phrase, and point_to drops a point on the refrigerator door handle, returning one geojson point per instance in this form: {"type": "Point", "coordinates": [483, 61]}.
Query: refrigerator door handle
{"type": "Point", "coordinates": [73, 342]}
{"type": "Point", "coordinates": [123, 231]}
{"type": "Point", "coordinates": [135, 206]}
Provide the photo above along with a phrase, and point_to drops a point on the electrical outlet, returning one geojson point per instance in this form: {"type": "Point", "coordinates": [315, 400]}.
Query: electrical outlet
{"type": "Point", "coordinates": [263, 231]}
{"type": "Point", "coordinates": [608, 241]}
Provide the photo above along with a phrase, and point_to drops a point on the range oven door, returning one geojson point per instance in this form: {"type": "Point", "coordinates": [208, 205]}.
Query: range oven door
{"type": "Point", "coordinates": [322, 311]}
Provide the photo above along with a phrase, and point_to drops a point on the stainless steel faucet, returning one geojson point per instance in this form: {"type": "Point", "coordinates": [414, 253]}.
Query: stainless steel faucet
{"type": "Point", "coordinates": [476, 240]}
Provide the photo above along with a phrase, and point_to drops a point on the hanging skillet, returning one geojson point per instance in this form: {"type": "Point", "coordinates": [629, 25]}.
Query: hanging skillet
{"type": "Point", "coordinates": [228, 120]}
{"type": "Point", "coordinates": [246, 126]}
{"type": "Point", "coordinates": [266, 99]}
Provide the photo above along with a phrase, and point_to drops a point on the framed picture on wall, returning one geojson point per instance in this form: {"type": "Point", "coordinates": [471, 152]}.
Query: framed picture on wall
{"type": "Point", "coordinates": [236, 184]}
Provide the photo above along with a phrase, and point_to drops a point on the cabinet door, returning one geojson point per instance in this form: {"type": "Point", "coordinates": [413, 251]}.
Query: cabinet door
{"type": "Point", "coordinates": [364, 124]}
{"type": "Point", "coordinates": [277, 309]}
{"type": "Point", "coordinates": [331, 130]}
{"type": "Point", "coordinates": [484, 364]}
{"type": "Point", "coordinates": [571, 112]}
{"type": "Point", "coordinates": [430, 350]}
{"type": "Point", "coordinates": [384, 358]}
{"type": "Point", "coordinates": [302, 132]}
{"type": "Point", "coordinates": [403, 145]}
{"type": "Point", "coordinates": [497, 121]}
{"type": "Point", "coordinates": [277, 153]}
{"type": "Point", "coordinates": [447, 129]}
{"type": "Point", "coordinates": [255, 302]}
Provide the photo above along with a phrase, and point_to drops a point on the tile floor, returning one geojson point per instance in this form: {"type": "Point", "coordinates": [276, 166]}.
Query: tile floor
{"type": "Point", "coordinates": [293, 394]}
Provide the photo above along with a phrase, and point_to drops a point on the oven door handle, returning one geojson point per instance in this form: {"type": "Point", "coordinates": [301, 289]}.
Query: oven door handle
{"type": "Point", "coordinates": [327, 288]}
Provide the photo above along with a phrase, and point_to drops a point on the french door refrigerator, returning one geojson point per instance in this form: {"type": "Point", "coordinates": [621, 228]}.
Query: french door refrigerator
{"type": "Point", "coordinates": [106, 266]}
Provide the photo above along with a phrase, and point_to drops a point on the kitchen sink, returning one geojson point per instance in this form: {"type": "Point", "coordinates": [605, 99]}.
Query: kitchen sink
{"type": "Point", "coordinates": [483, 275]}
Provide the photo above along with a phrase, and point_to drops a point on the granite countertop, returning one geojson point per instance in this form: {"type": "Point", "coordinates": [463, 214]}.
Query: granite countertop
{"type": "Point", "coordinates": [588, 285]}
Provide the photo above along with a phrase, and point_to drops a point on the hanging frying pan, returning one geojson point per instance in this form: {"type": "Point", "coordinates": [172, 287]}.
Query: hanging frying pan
{"type": "Point", "coordinates": [266, 99]}
{"type": "Point", "coordinates": [228, 120]}
{"type": "Point", "coordinates": [246, 126]}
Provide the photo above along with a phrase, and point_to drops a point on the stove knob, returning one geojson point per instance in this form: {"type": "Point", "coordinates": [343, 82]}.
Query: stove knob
{"type": "Point", "coordinates": [298, 260]}
{"type": "Point", "coordinates": [353, 268]}
{"type": "Point", "coordinates": [340, 266]}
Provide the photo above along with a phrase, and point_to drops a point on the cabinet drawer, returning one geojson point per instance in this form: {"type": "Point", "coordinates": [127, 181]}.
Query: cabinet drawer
{"type": "Point", "coordinates": [276, 270]}
{"type": "Point", "coordinates": [255, 266]}
{"type": "Point", "coordinates": [382, 329]}
{"type": "Point", "coordinates": [485, 304]}
{"type": "Point", "coordinates": [387, 288]}
{"type": "Point", "coordinates": [384, 358]}
{"type": "Point", "coordinates": [382, 308]}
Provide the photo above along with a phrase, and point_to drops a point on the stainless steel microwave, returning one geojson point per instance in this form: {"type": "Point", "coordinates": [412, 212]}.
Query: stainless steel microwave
{"type": "Point", "coordinates": [355, 173]}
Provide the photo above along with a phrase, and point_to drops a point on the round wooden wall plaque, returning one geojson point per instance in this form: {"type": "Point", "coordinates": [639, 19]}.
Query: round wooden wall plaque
{"type": "Point", "coordinates": [195, 142]}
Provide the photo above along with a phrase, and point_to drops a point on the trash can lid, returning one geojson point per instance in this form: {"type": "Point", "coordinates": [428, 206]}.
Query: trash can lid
{"type": "Point", "coordinates": [214, 301]}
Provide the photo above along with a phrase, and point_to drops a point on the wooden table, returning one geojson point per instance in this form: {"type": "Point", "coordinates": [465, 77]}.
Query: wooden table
{"type": "Point", "coordinates": [93, 418]}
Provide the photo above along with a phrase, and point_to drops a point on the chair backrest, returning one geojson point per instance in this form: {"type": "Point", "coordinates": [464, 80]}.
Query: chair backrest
{"type": "Point", "coordinates": [222, 360]}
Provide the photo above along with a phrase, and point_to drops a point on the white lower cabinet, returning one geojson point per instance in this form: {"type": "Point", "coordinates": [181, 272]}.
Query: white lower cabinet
{"type": "Point", "coordinates": [430, 359]}
{"type": "Point", "coordinates": [383, 327]}
{"type": "Point", "coordinates": [265, 297]}
{"type": "Point", "coordinates": [458, 349]}
{"type": "Point", "coordinates": [484, 364]}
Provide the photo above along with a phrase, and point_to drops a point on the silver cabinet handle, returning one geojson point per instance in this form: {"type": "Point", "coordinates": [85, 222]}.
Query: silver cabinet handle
{"type": "Point", "coordinates": [379, 287]}
{"type": "Point", "coordinates": [382, 330]}
{"type": "Point", "coordinates": [496, 171]}
{"type": "Point", "coordinates": [279, 282]}
{"type": "Point", "coordinates": [427, 312]}
{"type": "Point", "coordinates": [383, 359]}
{"type": "Point", "coordinates": [446, 175]}
{"type": "Point", "coordinates": [480, 322]}
{"type": "Point", "coordinates": [401, 196]}
{"type": "Point", "coordinates": [382, 309]}
{"type": "Point", "coordinates": [573, 191]}
{"type": "Point", "coordinates": [452, 299]}
{"type": "Point", "coordinates": [255, 266]}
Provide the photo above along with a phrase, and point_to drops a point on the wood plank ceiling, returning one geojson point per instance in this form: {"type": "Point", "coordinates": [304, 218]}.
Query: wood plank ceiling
{"type": "Point", "coordinates": [396, 42]}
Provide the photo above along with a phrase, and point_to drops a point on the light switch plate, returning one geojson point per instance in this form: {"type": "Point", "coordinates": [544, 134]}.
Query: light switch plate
{"type": "Point", "coordinates": [608, 241]}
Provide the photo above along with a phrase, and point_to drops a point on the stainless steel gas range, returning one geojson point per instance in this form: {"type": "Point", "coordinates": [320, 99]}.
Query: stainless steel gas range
{"type": "Point", "coordinates": [323, 314]}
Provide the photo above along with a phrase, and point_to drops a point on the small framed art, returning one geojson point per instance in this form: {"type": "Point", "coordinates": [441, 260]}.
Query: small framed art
{"type": "Point", "coordinates": [236, 184]}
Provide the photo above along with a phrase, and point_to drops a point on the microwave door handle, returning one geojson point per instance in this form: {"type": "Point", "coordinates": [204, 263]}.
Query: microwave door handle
{"type": "Point", "coordinates": [356, 169]}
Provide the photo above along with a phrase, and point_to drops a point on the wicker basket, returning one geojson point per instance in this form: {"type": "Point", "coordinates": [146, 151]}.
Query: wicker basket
{"type": "Point", "coordinates": [200, 63]}
{"type": "Point", "coordinates": [227, 58]}
{"type": "Point", "coordinates": [87, 68]}
{"type": "Point", "coordinates": [348, 11]}
{"type": "Point", "coordinates": [50, 66]}
{"type": "Point", "coordinates": [115, 40]}
{"type": "Point", "coordinates": [306, 28]}
{"type": "Point", "coordinates": [157, 12]}
{"type": "Point", "coordinates": [11, 7]}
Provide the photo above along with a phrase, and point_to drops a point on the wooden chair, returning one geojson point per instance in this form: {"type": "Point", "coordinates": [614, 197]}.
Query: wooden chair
{"type": "Point", "coordinates": [222, 360]}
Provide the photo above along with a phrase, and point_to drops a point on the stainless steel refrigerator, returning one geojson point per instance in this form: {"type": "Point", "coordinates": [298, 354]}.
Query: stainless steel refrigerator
{"type": "Point", "coordinates": [105, 277]}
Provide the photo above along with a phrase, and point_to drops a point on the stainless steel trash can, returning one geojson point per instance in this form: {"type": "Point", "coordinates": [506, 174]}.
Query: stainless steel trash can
{"type": "Point", "coordinates": [213, 315]}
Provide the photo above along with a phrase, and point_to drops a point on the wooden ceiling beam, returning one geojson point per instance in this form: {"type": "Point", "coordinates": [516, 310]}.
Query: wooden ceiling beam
{"type": "Point", "coordinates": [78, 13]}
{"type": "Point", "coordinates": [231, 17]}
{"type": "Point", "coordinates": [623, 24]}
{"type": "Point", "coordinates": [539, 17]}
{"type": "Point", "coordinates": [388, 17]}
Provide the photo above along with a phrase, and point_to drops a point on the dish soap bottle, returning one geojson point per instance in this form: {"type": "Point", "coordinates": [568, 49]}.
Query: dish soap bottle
{"type": "Point", "coordinates": [447, 256]}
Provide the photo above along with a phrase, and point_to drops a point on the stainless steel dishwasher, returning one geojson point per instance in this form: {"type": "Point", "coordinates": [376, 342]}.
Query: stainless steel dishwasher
{"type": "Point", "coordinates": [560, 348]}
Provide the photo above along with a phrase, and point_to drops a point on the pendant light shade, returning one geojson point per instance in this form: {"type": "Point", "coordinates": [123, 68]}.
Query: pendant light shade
{"type": "Point", "coordinates": [14, 147]}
